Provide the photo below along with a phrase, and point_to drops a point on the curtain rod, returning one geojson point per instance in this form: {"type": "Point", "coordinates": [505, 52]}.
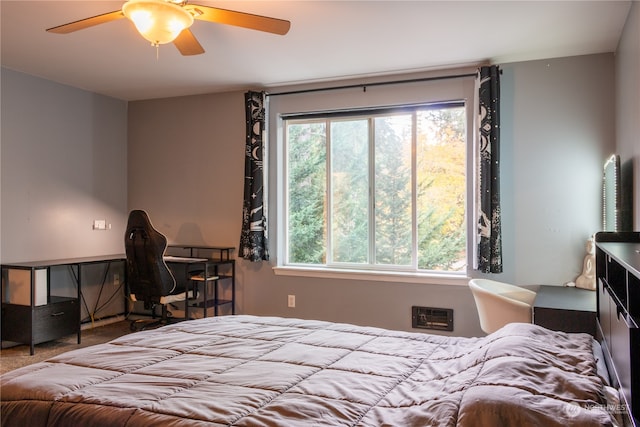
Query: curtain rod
{"type": "Point", "coordinates": [365, 85]}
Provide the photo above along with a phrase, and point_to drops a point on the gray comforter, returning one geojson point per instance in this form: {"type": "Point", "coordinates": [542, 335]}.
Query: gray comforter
{"type": "Point", "coordinates": [262, 371]}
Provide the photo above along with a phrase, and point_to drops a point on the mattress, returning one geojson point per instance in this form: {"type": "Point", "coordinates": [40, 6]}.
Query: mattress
{"type": "Point", "coordinates": [267, 371]}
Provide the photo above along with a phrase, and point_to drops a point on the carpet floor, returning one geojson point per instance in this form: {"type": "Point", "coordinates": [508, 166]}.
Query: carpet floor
{"type": "Point", "coordinates": [16, 357]}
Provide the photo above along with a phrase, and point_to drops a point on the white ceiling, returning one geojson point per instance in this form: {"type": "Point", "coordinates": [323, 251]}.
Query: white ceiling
{"type": "Point", "coordinates": [328, 40]}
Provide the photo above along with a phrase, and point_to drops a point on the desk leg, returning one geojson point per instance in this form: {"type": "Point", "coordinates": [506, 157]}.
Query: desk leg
{"type": "Point", "coordinates": [215, 292]}
{"type": "Point", "coordinates": [205, 283]}
{"type": "Point", "coordinates": [186, 297]}
{"type": "Point", "coordinates": [32, 314]}
{"type": "Point", "coordinates": [79, 305]}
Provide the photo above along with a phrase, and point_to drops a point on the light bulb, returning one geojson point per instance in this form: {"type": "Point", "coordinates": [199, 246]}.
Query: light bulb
{"type": "Point", "coordinates": [158, 21]}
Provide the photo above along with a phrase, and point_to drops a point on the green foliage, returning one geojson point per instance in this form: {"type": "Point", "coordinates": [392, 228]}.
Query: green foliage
{"type": "Point", "coordinates": [393, 190]}
{"type": "Point", "coordinates": [350, 186]}
{"type": "Point", "coordinates": [440, 151]}
{"type": "Point", "coordinates": [441, 189]}
{"type": "Point", "coordinates": [307, 189]}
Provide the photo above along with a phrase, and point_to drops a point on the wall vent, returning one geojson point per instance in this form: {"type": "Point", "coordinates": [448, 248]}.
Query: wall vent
{"type": "Point", "coordinates": [440, 319]}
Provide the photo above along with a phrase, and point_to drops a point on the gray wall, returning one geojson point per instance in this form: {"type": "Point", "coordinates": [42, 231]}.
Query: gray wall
{"type": "Point", "coordinates": [557, 131]}
{"type": "Point", "coordinates": [186, 169]}
{"type": "Point", "coordinates": [63, 166]}
{"type": "Point", "coordinates": [628, 104]}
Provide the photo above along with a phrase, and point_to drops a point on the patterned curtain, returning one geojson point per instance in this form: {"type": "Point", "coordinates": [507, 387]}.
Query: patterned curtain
{"type": "Point", "coordinates": [253, 239]}
{"type": "Point", "coordinates": [489, 238]}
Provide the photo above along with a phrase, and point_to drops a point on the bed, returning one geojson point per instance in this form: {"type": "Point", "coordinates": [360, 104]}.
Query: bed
{"type": "Point", "coordinates": [267, 371]}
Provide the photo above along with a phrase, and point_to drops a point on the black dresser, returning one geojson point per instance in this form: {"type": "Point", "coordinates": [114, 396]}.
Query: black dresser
{"type": "Point", "coordinates": [618, 273]}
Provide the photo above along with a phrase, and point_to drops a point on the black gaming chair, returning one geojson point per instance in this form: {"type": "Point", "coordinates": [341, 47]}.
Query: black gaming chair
{"type": "Point", "coordinates": [148, 278]}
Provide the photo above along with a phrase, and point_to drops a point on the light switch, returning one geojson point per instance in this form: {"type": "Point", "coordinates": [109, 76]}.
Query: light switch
{"type": "Point", "coordinates": [100, 224]}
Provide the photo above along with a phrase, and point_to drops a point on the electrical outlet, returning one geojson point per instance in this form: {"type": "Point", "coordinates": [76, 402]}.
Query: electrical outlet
{"type": "Point", "coordinates": [291, 301]}
{"type": "Point", "coordinates": [116, 279]}
{"type": "Point", "coordinates": [100, 224]}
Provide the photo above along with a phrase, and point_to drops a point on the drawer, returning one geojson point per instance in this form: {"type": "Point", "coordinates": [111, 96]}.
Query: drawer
{"type": "Point", "coordinates": [16, 323]}
{"type": "Point", "coordinates": [573, 321]}
{"type": "Point", "coordinates": [624, 352]}
{"type": "Point", "coordinates": [56, 320]}
{"type": "Point", "coordinates": [604, 310]}
{"type": "Point", "coordinates": [620, 346]}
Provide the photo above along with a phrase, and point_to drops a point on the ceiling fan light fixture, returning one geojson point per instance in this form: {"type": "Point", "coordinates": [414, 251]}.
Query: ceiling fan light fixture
{"type": "Point", "coordinates": [158, 21]}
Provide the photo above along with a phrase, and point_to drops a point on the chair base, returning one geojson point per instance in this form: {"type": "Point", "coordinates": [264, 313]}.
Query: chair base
{"type": "Point", "coordinates": [153, 323]}
{"type": "Point", "coordinates": [144, 324]}
{"type": "Point", "coordinates": [165, 318]}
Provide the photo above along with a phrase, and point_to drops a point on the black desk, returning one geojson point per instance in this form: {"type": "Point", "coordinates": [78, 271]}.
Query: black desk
{"type": "Point", "coordinates": [53, 317]}
{"type": "Point", "coordinates": [220, 265]}
{"type": "Point", "coordinates": [223, 251]}
{"type": "Point", "coordinates": [565, 309]}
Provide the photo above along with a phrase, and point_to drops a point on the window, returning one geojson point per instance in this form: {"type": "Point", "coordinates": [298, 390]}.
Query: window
{"type": "Point", "coordinates": [377, 189]}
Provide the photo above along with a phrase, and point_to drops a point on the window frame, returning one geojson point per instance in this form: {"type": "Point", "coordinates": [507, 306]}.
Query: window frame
{"type": "Point", "coordinates": [410, 95]}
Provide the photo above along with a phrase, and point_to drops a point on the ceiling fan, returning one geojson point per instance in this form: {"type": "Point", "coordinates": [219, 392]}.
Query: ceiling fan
{"type": "Point", "coordinates": [166, 21]}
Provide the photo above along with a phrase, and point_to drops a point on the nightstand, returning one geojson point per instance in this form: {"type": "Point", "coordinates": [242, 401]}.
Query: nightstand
{"type": "Point", "coordinates": [565, 309]}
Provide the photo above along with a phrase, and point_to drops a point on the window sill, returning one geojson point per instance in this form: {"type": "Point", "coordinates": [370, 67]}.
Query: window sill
{"type": "Point", "coordinates": [386, 276]}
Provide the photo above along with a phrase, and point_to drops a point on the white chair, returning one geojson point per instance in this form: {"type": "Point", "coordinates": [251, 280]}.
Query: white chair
{"type": "Point", "coordinates": [501, 303]}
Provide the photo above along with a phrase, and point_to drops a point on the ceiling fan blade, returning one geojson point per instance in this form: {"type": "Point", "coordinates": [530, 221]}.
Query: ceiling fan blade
{"type": "Point", "coordinates": [240, 19]}
{"type": "Point", "coordinates": [187, 43]}
{"type": "Point", "coordinates": [86, 23]}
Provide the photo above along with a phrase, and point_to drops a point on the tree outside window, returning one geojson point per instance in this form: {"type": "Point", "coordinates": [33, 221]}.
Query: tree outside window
{"type": "Point", "coordinates": [378, 190]}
